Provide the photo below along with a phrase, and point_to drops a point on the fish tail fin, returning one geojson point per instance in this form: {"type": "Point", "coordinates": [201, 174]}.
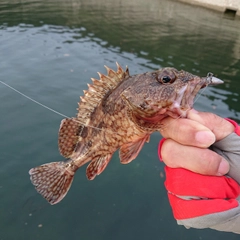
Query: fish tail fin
{"type": "Point", "coordinates": [52, 180]}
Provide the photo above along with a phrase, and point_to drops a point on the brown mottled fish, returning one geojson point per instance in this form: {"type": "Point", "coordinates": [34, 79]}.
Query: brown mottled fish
{"type": "Point", "coordinates": [118, 111]}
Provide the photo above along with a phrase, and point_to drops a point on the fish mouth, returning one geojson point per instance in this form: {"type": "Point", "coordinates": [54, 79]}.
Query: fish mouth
{"type": "Point", "coordinates": [185, 96]}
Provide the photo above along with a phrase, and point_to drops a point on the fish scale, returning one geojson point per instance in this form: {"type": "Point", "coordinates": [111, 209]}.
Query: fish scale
{"type": "Point", "coordinates": [118, 111]}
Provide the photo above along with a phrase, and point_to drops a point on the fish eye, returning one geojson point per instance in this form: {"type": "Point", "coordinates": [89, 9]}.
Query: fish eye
{"type": "Point", "coordinates": [166, 79]}
{"type": "Point", "coordinates": [165, 75]}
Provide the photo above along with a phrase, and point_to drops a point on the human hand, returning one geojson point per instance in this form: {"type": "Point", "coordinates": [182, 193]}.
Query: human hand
{"type": "Point", "coordinates": [187, 141]}
{"type": "Point", "coordinates": [200, 201]}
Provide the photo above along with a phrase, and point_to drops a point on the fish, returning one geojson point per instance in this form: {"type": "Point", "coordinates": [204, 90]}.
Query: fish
{"type": "Point", "coordinates": [117, 112]}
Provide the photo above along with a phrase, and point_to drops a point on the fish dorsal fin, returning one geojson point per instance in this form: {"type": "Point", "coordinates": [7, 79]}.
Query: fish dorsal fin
{"type": "Point", "coordinates": [97, 166]}
{"type": "Point", "coordinates": [129, 151]}
{"type": "Point", "coordinates": [98, 90]}
{"type": "Point", "coordinates": [68, 136]}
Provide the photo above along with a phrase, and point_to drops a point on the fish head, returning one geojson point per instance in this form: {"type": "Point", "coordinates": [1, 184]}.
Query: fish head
{"type": "Point", "coordinates": [166, 92]}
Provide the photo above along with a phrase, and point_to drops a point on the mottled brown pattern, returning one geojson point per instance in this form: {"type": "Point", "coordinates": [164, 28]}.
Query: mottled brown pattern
{"type": "Point", "coordinates": [116, 112]}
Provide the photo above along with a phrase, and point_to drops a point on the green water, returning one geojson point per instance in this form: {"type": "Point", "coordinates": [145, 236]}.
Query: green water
{"type": "Point", "coordinates": [49, 51]}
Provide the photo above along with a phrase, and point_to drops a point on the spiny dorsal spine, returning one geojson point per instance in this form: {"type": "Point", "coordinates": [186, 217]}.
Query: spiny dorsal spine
{"type": "Point", "coordinates": [96, 91]}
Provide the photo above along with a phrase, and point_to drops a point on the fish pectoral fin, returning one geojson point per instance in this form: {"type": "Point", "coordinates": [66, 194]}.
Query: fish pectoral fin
{"type": "Point", "coordinates": [129, 151]}
{"type": "Point", "coordinates": [97, 166]}
{"type": "Point", "coordinates": [68, 136]}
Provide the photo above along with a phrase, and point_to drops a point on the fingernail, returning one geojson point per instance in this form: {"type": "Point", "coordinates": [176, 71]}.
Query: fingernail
{"type": "Point", "coordinates": [206, 138]}
{"type": "Point", "coordinates": [223, 168]}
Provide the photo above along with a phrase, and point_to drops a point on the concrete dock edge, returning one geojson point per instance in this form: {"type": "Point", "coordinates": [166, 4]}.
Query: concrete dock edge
{"type": "Point", "coordinates": [219, 5]}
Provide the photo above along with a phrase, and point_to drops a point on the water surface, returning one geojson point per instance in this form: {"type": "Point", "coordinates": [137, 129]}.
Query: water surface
{"type": "Point", "coordinates": [49, 51]}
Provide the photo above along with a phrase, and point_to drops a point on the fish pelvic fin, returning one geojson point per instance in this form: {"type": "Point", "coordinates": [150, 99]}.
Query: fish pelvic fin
{"type": "Point", "coordinates": [97, 166]}
{"type": "Point", "coordinates": [52, 180]}
{"type": "Point", "coordinates": [130, 151]}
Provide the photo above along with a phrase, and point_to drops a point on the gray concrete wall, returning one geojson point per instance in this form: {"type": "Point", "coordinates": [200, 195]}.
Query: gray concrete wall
{"type": "Point", "coordinates": [220, 5]}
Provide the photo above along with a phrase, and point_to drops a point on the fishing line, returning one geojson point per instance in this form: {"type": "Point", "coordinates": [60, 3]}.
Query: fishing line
{"type": "Point", "coordinates": [50, 109]}
{"type": "Point", "coordinates": [42, 105]}
{"type": "Point", "coordinates": [200, 94]}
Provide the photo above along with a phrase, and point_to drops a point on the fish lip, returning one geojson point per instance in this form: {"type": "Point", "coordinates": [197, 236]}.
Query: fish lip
{"type": "Point", "coordinates": [185, 97]}
{"type": "Point", "coordinates": [192, 89]}
{"type": "Point", "coordinates": [180, 104]}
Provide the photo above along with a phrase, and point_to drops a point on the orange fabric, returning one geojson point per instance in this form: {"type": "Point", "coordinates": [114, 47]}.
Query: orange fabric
{"type": "Point", "coordinates": [186, 183]}
{"type": "Point", "coordinates": [217, 193]}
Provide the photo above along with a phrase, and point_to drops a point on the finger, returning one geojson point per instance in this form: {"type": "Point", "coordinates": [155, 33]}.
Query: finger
{"type": "Point", "coordinates": [187, 132]}
{"type": "Point", "coordinates": [219, 126]}
{"type": "Point", "coordinates": [198, 160]}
